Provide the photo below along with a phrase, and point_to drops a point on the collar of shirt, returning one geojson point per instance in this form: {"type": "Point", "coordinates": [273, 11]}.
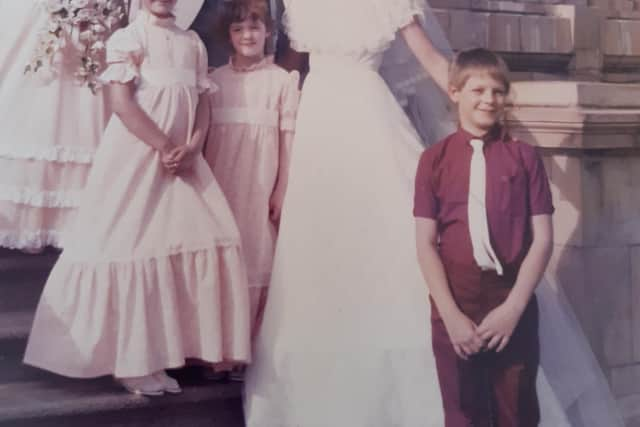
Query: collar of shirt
{"type": "Point", "coordinates": [496, 134]}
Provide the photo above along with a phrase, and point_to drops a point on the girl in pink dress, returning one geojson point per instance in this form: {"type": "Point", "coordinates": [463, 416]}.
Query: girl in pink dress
{"type": "Point", "coordinates": [152, 273]}
{"type": "Point", "coordinates": [252, 125]}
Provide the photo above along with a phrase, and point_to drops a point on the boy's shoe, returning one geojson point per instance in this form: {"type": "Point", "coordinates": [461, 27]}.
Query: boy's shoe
{"type": "Point", "coordinates": [146, 386]}
{"type": "Point", "coordinates": [169, 384]}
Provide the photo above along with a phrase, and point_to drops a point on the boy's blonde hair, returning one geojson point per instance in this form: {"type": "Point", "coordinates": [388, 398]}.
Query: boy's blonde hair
{"type": "Point", "coordinates": [467, 62]}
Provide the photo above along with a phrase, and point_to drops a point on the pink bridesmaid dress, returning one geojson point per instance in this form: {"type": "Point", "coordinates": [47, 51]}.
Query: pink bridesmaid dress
{"type": "Point", "coordinates": [248, 113]}
{"type": "Point", "coordinates": [152, 273]}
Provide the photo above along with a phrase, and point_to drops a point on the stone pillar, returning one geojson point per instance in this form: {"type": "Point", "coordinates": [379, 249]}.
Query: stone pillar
{"type": "Point", "coordinates": [589, 137]}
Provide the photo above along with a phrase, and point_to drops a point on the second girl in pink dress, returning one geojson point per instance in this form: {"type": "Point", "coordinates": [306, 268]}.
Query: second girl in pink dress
{"type": "Point", "coordinates": [252, 125]}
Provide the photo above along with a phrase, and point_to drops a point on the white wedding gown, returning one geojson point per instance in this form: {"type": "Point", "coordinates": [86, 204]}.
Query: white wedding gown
{"type": "Point", "coordinates": [49, 130]}
{"type": "Point", "coordinates": [345, 340]}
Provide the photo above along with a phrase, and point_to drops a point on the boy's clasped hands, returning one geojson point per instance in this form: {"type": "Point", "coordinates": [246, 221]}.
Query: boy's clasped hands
{"type": "Point", "coordinates": [493, 333]}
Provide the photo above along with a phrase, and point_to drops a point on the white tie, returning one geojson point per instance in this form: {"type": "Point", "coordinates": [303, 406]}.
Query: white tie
{"type": "Point", "coordinates": [478, 225]}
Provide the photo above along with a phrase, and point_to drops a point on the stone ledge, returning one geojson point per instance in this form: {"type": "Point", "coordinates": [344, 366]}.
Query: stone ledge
{"type": "Point", "coordinates": [575, 129]}
{"type": "Point", "coordinates": [42, 401]}
{"type": "Point", "coordinates": [576, 115]}
{"type": "Point", "coordinates": [13, 260]}
{"type": "Point", "coordinates": [15, 325]}
{"type": "Point", "coordinates": [20, 290]}
{"type": "Point", "coordinates": [576, 94]}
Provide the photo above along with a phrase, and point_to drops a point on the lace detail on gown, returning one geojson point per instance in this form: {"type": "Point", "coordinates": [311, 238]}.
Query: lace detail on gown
{"type": "Point", "coordinates": [53, 153]}
{"type": "Point", "coordinates": [40, 198]}
{"type": "Point", "coordinates": [25, 239]}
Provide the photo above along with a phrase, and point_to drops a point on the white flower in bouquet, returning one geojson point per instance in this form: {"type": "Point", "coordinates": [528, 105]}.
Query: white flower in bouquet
{"type": "Point", "coordinates": [98, 45]}
{"type": "Point", "coordinates": [84, 25]}
{"type": "Point", "coordinates": [85, 38]}
{"type": "Point", "coordinates": [54, 6]}
{"type": "Point", "coordinates": [79, 4]}
{"type": "Point", "coordinates": [98, 28]}
{"type": "Point", "coordinates": [53, 26]}
{"type": "Point", "coordinates": [84, 15]}
{"type": "Point", "coordinates": [46, 75]}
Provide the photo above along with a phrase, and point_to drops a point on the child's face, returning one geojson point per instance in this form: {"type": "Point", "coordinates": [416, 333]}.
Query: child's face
{"type": "Point", "coordinates": [160, 7]}
{"type": "Point", "coordinates": [248, 37]}
{"type": "Point", "coordinates": [480, 102]}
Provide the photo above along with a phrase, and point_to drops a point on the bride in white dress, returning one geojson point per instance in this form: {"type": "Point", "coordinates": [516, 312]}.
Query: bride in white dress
{"type": "Point", "coordinates": [49, 131]}
{"type": "Point", "coordinates": [345, 340]}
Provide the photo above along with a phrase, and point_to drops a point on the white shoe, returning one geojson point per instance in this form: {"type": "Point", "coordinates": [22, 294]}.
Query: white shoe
{"type": "Point", "coordinates": [168, 384]}
{"type": "Point", "coordinates": [146, 386]}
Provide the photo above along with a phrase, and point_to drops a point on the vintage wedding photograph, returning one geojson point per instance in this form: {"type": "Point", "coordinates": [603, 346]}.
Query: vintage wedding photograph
{"type": "Point", "coordinates": [320, 213]}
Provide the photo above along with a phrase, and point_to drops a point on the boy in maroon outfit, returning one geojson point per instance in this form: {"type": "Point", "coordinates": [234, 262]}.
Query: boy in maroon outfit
{"type": "Point", "coordinates": [483, 222]}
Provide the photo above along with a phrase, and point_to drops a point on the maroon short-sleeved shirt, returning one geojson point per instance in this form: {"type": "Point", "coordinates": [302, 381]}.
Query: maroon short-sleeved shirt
{"type": "Point", "coordinates": [517, 188]}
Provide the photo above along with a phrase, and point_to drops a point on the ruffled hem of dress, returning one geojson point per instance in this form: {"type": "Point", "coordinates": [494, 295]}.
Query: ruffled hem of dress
{"type": "Point", "coordinates": [134, 318]}
{"type": "Point", "coordinates": [56, 153]}
{"type": "Point", "coordinates": [30, 240]}
{"type": "Point", "coordinates": [39, 198]}
{"type": "Point", "coordinates": [384, 19]}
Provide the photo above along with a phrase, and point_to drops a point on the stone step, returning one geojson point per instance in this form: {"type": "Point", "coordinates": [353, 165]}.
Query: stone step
{"type": "Point", "coordinates": [30, 397]}
{"type": "Point", "coordinates": [16, 261]}
{"type": "Point", "coordinates": [14, 330]}
{"type": "Point", "coordinates": [20, 289]}
{"type": "Point", "coordinates": [102, 403]}
{"type": "Point", "coordinates": [15, 324]}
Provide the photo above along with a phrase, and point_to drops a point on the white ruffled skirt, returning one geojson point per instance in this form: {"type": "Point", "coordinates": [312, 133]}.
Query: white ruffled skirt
{"type": "Point", "coordinates": [48, 135]}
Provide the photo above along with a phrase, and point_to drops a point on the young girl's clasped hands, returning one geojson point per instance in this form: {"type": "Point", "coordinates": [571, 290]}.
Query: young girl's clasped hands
{"type": "Point", "coordinates": [178, 159]}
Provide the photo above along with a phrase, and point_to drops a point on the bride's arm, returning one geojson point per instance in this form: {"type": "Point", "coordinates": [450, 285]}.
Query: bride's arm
{"type": "Point", "coordinates": [430, 58]}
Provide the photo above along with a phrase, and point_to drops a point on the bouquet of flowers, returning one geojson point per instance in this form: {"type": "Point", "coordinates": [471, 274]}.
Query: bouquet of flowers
{"type": "Point", "coordinates": [78, 26]}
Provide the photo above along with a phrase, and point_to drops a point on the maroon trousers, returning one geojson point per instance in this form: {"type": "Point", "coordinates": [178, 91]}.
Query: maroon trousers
{"type": "Point", "coordinates": [490, 389]}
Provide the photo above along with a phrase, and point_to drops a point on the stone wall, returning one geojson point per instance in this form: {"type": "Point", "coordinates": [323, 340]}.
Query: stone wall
{"type": "Point", "coordinates": [551, 39]}
{"type": "Point", "coordinates": [576, 63]}
{"type": "Point", "coordinates": [588, 134]}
